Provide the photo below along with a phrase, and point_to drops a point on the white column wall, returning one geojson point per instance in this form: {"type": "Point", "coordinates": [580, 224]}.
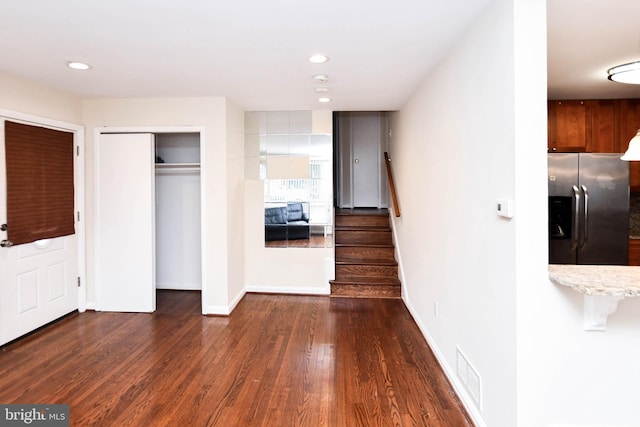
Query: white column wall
{"type": "Point", "coordinates": [282, 270]}
{"type": "Point", "coordinates": [235, 201]}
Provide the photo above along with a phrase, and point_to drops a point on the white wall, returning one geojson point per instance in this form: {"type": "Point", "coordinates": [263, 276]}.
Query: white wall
{"type": "Point", "coordinates": [453, 156]}
{"type": "Point", "coordinates": [473, 133]}
{"type": "Point", "coordinates": [280, 270]}
{"type": "Point", "coordinates": [27, 97]}
{"type": "Point", "coordinates": [211, 113]}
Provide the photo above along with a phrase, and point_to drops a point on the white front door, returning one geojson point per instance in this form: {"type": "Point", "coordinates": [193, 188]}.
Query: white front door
{"type": "Point", "coordinates": [125, 222]}
{"type": "Point", "coordinates": [39, 280]}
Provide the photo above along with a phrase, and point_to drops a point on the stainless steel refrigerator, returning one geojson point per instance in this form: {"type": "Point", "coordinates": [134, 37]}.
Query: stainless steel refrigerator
{"type": "Point", "coordinates": [588, 209]}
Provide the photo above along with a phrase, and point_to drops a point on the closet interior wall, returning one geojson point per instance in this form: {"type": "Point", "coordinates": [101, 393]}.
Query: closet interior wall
{"type": "Point", "coordinates": [178, 230]}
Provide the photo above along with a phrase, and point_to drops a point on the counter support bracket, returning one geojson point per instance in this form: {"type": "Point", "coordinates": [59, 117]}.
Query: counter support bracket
{"type": "Point", "coordinates": [597, 309]}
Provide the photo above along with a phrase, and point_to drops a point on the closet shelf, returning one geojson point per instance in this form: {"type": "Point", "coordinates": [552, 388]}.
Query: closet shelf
{"type": "Point", "coordinates": [178, 166]}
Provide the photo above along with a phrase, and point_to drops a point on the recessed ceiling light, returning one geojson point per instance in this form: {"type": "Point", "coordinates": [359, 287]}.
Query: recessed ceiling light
{"type": "Point", "coordinates": [78, 65]}
{"type": "Point", "coordinates": [320, 78]}
{"type": "Point", "coordinates": [318, 58]}
{"type": "Point", "coordinates": [324, 100]}
{"type": "Point", "coordinates": [322, 89]}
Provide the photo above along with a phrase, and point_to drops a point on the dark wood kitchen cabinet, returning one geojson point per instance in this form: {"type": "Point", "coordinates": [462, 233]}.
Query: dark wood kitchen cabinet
{"type": "Point", "coordinates": [603, 126]}
{"type": "Point", "coordinates": [629, 120]}
{"type": "Point", "coordinates": [569, 126]}
{"type": "Point", "coordinates": [595, 126]}
{"type": "Point", "coordinates": [587, 126]}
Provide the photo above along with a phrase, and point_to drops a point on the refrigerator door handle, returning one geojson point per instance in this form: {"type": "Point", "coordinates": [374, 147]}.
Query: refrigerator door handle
{"type": "Point", "coordinates": [576, 218]}
{"type": "Point", "coordinates": [585, 220]}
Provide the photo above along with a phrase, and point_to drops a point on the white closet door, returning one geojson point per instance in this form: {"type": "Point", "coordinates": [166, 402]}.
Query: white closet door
{"type": "Point", "coordinates": [125, 245]}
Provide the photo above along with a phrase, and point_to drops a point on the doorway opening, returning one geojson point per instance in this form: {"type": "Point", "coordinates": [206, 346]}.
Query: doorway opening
{"type": "Point", "coordinates": [178, 211]}
{"type": "Point", "coordinates": [360, 139]}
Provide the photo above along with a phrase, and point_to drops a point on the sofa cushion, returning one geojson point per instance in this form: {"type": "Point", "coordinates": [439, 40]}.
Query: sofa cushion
{"type": "Point", "coordinates": [295, 212]}
{"type": "Point", "coordinates": [295, 232]}
{"type": "Point", "coordinates": [276, 215]}
{"type": "Point", "coordinates": [275, 232]}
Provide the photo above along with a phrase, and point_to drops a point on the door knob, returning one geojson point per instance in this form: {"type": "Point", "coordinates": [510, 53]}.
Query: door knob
{"type": "Point", "coordinates": [357, 161]}
{"type": "Point", "coordinates": [3, 227]}
{"type": "Point", "coordinates": [6, 243]}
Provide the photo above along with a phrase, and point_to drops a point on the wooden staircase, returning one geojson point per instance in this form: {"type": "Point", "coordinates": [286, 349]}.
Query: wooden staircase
{"type": "Point", "coordinates": [364, 255]}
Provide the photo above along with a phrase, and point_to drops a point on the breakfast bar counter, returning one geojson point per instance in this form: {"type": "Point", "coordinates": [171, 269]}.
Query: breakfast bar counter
{"type": "Point", "coordinates": [603, 286]}
{"type": "Point", "coordinates": [611, 280]}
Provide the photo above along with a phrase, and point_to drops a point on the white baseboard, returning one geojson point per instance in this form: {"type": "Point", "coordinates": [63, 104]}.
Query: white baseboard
{"type": "Point", "coordinates": [236, 300]}
{"type": "Point", "coordinates": [216, 310]}
{"type": "Point", "coordinates": [224, 310]}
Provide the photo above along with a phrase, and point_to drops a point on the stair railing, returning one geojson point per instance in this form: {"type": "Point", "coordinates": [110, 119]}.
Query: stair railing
{"type": "Point", "coordinates": [392, 186]}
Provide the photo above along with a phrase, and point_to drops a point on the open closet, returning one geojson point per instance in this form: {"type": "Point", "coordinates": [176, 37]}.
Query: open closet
{"type": "Point", "coordinates": [178, 260]}
{"type": "Point", "coordinates": [148, 217]}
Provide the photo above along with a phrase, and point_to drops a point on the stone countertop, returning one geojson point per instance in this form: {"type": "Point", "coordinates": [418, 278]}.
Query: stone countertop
{"type": "Point", "coordinates": [598, 280]}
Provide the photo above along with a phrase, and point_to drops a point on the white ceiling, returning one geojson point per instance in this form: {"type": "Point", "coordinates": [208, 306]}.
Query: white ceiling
{"type": "Point", "coordinates": [252, 51]}
{"type": "Point", "coordinates": [255, 52]}
{"type": "Point", "coordinates": [585, 39]}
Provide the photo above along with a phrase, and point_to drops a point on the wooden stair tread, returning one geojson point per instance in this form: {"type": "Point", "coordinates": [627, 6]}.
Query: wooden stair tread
{"type": "Point", "coordinates": [347, 290]}
{"type": "Point", "coordinates": [363, 239]}
{"type": "Point", "coordinates": [360, 261]}
{"type": "Point", "coordinates": [366, 280]}
{"type": "Point", "coordinates": [365, 270]}
{"type": "Point", "coordinates": [362, 212]}
{"type": "Point", "coordinates": [364, 245]}
{"type": "Point", "coordinates": [356, 228]}
{"type": "Point", "coordinates": [362, 217]}
{"type": "Point", "coordinates": [364, 224]}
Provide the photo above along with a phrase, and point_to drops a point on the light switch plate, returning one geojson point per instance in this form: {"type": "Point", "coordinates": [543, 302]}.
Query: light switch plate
{"type": "Point", "coordinates": [505, 208]}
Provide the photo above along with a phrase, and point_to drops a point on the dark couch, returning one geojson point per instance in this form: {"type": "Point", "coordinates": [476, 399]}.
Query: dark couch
{"type": "Point", "coordinates": [288, 222]}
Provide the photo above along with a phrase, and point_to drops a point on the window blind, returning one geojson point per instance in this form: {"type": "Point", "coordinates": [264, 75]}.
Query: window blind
{"type": "Point", "coordinates": [40, 193]}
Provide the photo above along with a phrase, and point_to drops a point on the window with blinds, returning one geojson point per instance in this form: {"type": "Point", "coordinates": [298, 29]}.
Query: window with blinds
{"type": "Point", "coordinates": [40, 193]}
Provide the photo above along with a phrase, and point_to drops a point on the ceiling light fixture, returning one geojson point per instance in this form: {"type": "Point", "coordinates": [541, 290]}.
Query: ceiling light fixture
{"type": "Point", "coordinates": [320, 78]}
{"type": "Point", "coordinates": [78, 65]}
{"type": "Point", "coordinates": [633, 152]}
{"type": "Point", "coordinates": [626, 73]}
{"type": "Point", "coordinates": [322, 89]}
{"type": "Point", "coordinates": [324, 99]}
{"type": "Point", "coordinates": [318, 58]}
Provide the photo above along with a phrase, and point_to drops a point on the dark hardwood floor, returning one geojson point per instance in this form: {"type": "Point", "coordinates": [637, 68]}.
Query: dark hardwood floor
{"type": "Point", "coordinates": [276, 361]}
